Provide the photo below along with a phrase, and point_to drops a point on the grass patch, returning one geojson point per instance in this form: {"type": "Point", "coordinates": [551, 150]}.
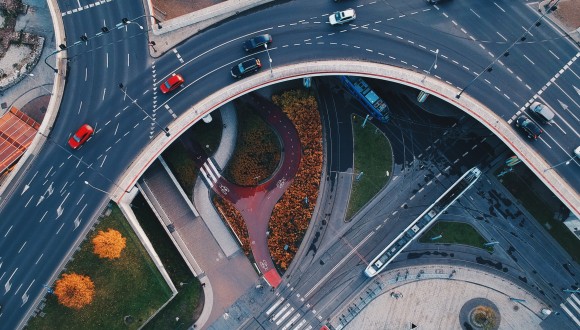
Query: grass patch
{"type": "Point", "coordinates": [372, 156]}
{"type": "Point", "coordinates": [128, 286]}
{"type": "Point", "coordinates": [540, 209]}
{"type": "Point", "coordinates": [188, 303]}
{"type": "Point", "coordinates": [453, 233]}
{"type": "Point", "coordinates": [181, 163]}
{"type": "Point", "coordinates": [257, 151]}
{"type": "Point", "coordinates": [179, 155]}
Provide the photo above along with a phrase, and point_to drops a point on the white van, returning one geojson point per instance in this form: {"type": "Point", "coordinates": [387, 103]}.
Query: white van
{"type": "Point", "coordinates": [543, 112]}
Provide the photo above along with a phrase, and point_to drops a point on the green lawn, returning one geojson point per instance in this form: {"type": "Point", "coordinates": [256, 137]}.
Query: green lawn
{"type": "Point", "coordinates": [182, 166]}
{"type": "Point", "coordinates": [543, 212]}
{"type": "Point", "coordinates": [453, 233]}
{"type": "Point", "coordinates": [188, 303]}
{"type": "Point", "coordinates": [373, 157]}
{"type": "Point", "coordinates": [129, 286]}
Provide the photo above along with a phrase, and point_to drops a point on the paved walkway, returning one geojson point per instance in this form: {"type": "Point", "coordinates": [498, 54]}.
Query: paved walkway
{"type": "Point", "coordinates": [256, 203]}
{"type": "Point", "coordinates": [435, 301]}
{"type": "Point", "coordinates": [224, 277]}
{"type": "Point", "coordinates": [201, 197]}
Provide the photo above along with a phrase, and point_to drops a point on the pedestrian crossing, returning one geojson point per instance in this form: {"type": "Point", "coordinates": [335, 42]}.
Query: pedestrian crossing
{"type": "Point", "coordinates": [210, 172]}
{"type": "Point", "coordinates": [286, 316]}
{"type": "Point", "coordinates": [572, 308]}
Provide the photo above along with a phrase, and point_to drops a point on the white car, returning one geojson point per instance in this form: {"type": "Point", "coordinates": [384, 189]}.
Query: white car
{"type": "Point", "coordinates": [341, 17]}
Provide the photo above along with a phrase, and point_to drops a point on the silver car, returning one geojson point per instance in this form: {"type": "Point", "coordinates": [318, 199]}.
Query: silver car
{"type": "Point", "coordinates": [543, 112]}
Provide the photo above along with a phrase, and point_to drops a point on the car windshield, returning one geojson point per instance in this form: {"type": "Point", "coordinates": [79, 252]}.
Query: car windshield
{"type": "Point", "coordinates": [167, 85]}
{"type": "Point", "coordinates": [76, 138]}
{"type": "Point", "coordinates": [338, 16]}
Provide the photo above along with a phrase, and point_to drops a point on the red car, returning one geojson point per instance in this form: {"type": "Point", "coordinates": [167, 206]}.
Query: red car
{"type": "Point", "coordinates": [81, 136]}
{"type": "Point", "coordinates": [171, 83]}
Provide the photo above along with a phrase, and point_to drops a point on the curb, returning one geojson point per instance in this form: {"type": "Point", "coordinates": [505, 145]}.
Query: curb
{"type": "Point", "coordinates": [431, 85]}
{"type": "Point", "coordinates": [53, 105]}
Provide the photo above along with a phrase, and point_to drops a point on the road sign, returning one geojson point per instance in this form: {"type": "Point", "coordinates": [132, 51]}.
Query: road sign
{"type": "Point", "coordinates": [307, 82]}
{"type": "Point", "coordinates": [422, 97]}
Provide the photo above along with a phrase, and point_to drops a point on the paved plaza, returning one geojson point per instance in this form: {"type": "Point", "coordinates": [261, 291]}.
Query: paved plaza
{"type": "Point", "coordinates": [437, 302]}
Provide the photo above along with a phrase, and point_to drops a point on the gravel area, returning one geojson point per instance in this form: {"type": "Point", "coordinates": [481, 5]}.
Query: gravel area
{"type": "Point", "coordinates": [168, 9]}
{"type": "Point", "coordinates": [13, 56]}
{"type": "Point", "coordinates": [568, 13]}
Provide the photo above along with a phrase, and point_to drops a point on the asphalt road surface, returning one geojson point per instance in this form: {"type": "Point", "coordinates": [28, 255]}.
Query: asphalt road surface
{"type": "Point", "coordinates": [49, 209]}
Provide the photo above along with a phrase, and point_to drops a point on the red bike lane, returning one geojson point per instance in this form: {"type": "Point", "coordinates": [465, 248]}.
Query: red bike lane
{"type": "Point", "coordinates": [256, 203]}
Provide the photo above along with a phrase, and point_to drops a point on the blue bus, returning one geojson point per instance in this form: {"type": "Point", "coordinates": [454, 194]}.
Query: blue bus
{"type": "Point", "coordinates": [367, 97]}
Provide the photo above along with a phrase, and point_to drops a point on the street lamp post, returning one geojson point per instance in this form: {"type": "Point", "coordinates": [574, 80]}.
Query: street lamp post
{"type": "Point", "coordinates": [152, 44]}
{"type": "Point", "coordinates": [50, 66]}
{"type": "Point", "coordinates": [166, 129]}
{"type": "Point", "coordinates": [433, 65]}
{"type": "Point", "coordinates": [101, 190]}
{"type": "Point", "coordinates": [269, 59]}
{"type": "Point", "coordinates": [567, 162]}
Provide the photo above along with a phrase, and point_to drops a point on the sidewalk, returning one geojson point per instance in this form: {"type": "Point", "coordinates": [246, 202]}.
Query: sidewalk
{"type": "Point", "coordinates": [405, 295]}
{"type": "Point", "coordinates": [201, 198]}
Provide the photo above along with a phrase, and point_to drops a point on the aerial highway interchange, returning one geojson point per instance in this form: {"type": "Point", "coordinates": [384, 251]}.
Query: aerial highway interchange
{"type": "Point", "coordinates": [112, 84]}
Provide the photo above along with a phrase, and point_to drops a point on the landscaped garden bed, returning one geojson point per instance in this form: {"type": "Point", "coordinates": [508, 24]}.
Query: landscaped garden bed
{"type": "Point", "coordinates": [257, 151]}
{"type": "Point", "coordinates": [291, 215]}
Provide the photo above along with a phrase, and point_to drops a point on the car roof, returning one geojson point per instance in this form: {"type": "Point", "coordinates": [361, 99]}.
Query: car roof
{"type": "Point", "coordinates": [348, 12]}
{"type": "Point", "coordinates": [174, 78]}
{"type": "Point", "coordinates": [529, 124]}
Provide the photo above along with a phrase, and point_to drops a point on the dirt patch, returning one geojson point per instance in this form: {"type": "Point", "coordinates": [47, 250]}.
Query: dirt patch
{"type": "Point", "coordinates": [168, 9]}
{"type": "Point", "coordinates": [569, 13]}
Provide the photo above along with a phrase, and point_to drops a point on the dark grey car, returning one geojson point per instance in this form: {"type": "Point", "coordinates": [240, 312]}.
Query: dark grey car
{"type": "Point", "coordinates": [529, 127]}
{"type": "Point", "coordinates": [257, 42]}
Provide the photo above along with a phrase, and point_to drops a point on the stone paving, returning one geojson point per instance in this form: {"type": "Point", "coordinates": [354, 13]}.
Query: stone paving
{"type": "Point", "coordinates": [434, 301]}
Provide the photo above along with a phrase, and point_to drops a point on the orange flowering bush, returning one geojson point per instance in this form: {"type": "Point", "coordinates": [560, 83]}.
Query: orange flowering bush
{"type": "Point", "coordinates": [235, 221]}
{"type": "Point", "coordinates": [74, 290]}
{"type": "Point", "coordinates": [291, 215]}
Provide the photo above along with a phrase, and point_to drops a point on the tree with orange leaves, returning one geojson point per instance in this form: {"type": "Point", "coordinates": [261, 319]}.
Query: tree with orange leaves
{"type": "Point", "coordinates": [109, 244]}
{"type": "Point", "coordinates": [74, 290]}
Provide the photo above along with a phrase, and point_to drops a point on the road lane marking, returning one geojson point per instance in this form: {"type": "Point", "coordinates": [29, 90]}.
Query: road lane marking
{"type": "Point", "coordinates": [59, 228]}
{"type": "Point", "coordinates": [78, 219]}
{"type": "Point", "coordinates": [322, 280]}
{"type": "Point", "coordinates": [527, 58]}
{"type": "Point", "coordinates": [474, 13]}
{"type": "Point", "coordinates": [504, 38]}
{"type": "Point", "coordinates": [9, 229]}
{"type": "Point", "coordinates": [80, 199]}
{"type": "Point", "coordinates": [22, 247]}
{"type": "Point", "coordinates": [273, 307]}
{"type": "Point", "coordinates": [498, 6]}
